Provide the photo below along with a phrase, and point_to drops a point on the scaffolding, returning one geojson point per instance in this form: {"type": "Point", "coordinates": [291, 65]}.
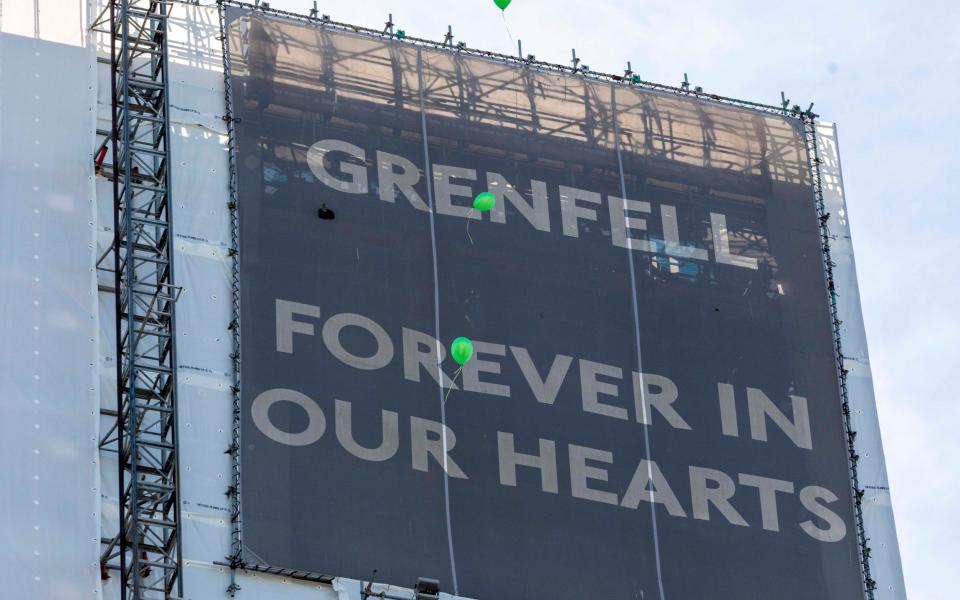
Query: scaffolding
{"type": "Point", "coordinates": [146, 548]}
{"type": "Point", "coordinates": [233, 490]}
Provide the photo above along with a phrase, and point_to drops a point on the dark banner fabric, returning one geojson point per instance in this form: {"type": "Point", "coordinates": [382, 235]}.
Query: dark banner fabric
{"type": "Point", "coordinates": [652, 406]}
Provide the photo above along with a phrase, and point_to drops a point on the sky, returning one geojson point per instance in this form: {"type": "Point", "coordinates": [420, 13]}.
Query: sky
{"type": "Point", "coordinates": [888, 73]}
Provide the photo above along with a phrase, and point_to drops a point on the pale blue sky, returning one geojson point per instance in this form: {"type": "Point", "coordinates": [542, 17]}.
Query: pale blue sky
{"type": "Point", "coordinates": [888, 73]}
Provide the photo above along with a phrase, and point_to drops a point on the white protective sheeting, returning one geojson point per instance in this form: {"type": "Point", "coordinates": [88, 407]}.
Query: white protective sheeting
{"type": "Point", "coordinates": [199, 195]}
{"type": "Point", "coordinates": [201, 226]}
{"type": "Point", "coordinates": [872, 470]}
{"type": "Point", "coordinates": [49, 488]}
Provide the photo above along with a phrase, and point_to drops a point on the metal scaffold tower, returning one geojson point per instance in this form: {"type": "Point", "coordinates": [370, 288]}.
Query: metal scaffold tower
{"type": "Point", "coordinates": [146, 549]}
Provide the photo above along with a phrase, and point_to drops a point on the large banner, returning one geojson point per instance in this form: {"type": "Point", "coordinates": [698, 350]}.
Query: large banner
{"type": "Point", "coordinates": [652, 409]}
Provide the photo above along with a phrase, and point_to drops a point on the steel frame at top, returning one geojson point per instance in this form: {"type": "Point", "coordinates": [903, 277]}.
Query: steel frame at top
{"type": "Point", "coordinates": [629, 78]}
{"type": "Point", "coordinates": [146, 547]}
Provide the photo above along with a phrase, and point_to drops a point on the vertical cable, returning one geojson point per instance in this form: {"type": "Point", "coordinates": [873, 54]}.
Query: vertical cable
{"type": "Point", "coordinates": [636, 323]}
{"type": "Point", "coordinates": [236, 557]}
{"type": "Point", "coordinates": [428, 175]}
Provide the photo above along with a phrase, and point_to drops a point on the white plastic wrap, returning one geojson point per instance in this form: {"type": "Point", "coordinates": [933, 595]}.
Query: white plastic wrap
{"type": "Point", "coordinates": [201, 227]}
{"type": "Point", "coordinates": [49, 487]}
{"type": "Point", "coordinates": [871, 468]}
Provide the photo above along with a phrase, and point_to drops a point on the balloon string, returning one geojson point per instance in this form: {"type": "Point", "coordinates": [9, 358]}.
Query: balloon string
{"type": "Point", "coordinates": [453, 380]}
{"type": "Point", "coordinates": [469, 215]}
{"type": "Point", "coordinates": [513, 44]}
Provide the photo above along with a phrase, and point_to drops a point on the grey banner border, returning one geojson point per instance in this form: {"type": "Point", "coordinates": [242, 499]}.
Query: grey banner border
{"type": "Point", "coordinates": [236, 558]}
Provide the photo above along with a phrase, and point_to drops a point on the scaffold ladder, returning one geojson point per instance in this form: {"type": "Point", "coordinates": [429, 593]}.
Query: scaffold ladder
{"type": "Point", "coordinates": [146, 548]}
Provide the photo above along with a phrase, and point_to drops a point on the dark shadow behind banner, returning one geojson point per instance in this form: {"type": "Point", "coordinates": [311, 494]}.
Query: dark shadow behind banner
{"type": "Point", "coordinates": [633, 233]}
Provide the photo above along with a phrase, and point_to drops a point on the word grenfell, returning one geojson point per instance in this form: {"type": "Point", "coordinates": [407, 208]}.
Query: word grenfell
{"type": "Point", "coordinates": [342, 166]}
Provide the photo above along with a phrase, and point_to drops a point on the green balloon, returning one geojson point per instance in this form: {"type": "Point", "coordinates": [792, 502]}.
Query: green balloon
{"type": "Point", "coordinates": [461, 350]}
{"type": "Point", "coordinates": [502, 4]}
{"type": "Point", "coordinates": [484, 201]}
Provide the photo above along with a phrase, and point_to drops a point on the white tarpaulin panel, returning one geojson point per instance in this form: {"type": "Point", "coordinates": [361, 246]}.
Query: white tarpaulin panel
{"type": "Point", "coordinates": [877, 510]}
{"type": "Point", "coordinates": [49, 487]}
{"type": "Point", "coordinates": [199, 179]}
